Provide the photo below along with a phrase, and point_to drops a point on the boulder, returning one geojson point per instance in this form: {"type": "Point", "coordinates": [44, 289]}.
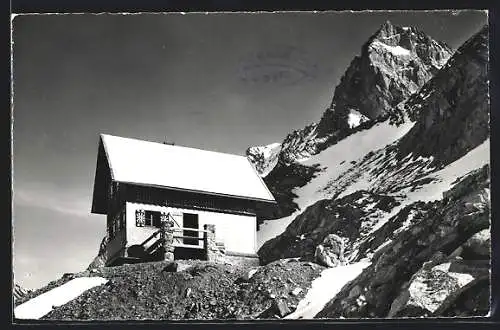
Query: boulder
{"type": "Point", "coordinates": [472, 298]}
{"type": "Point", "coordinates": [425, 292]}
{"type": "Point", "coordinates": [170, 267]}
{"type": "Point", "coordinates": [436, 286]}
{"type": "Point", "coordinates": [280, 307]}
{"type": "Point", "coordinates": [478, 246]}
{"type": "Point", "coordinates": [247, 275]}
{"type": "Point", "coordinates": [330, 252]}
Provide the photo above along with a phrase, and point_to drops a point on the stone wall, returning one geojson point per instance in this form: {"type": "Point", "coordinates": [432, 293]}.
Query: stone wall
{"type": "Point", "coordinates": [241, 260]}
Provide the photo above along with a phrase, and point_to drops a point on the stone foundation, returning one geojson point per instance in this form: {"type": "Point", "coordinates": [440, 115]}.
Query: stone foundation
{"type": "Point", "coordinates": [238, 259]}
{"type": "Point", "coordinates": [167, 237]}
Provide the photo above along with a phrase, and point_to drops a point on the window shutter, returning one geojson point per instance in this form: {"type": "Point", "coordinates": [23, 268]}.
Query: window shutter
{"type": "Point", "coordinates": [139, 218]}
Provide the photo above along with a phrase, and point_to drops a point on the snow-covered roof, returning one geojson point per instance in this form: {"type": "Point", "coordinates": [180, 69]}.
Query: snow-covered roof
{"type": "Point", "coordinates": [170, 166]}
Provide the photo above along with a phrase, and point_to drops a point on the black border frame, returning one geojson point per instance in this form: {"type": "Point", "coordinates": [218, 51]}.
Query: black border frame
{"type": "Point", "coordinates": [134, 6]}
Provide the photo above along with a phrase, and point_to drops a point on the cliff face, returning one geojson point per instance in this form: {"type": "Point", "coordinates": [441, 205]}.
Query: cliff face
{"type": "Point", "coordinates": [451, 111]}
{"type": "Point", "coordinates": [394, 63]}
{"type": "Point", "coordinates": [423, 270]}
{"type": "Point", "coordinates": [19, 292]}
{"type": "Point", "coordinates": [100, 259]}
{"type": "Point", "coordinates": [417, 209]}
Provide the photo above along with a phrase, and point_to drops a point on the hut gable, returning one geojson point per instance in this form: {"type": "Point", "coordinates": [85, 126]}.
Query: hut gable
{"type": "Point", "coordinates": [145, 163]}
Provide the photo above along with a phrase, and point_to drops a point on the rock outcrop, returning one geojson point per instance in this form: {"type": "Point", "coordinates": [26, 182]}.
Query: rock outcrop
{"type": "Point", "coordinates": [415, 272]}
{"type": "Point", "coordinates": [19, 292]}
{"type": "Point", "coordinates": [330, 252]}
{"type": "Point", "coordinates": [394, 63]}
{"type": "Point", "coordinates": [100, 259]}
{"type": "Point", "coordinates": [351, 217]}
{"type": "Point", "coordinates": [264, 158]}
{"type": "Point", "coordinates": [452, 109]}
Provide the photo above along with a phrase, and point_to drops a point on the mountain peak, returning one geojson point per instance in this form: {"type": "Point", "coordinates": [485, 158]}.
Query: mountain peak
{"type": "Point", "coordinates": [386, 29]}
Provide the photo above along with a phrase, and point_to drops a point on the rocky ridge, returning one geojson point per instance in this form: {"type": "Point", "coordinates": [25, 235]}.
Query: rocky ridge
{"type": "Point", "coordinates": [394, 63]}
{"type": "Point", "coordinates": [19, 293]}
{"type": "Point", "coordinates": [415, 272]}
{"type": "Point", "coordinates": [421, 241]}
{"type": "Point", "coordinates": [451, 110]}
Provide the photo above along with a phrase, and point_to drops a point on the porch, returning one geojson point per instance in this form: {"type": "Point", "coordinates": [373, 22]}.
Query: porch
{"type": "Point", "coordinates": [173, 242]}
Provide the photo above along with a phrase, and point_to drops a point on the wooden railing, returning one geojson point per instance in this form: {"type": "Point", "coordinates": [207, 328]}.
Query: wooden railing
{"type": "Point", "coordinates": [153, 235]}
{"type": "Point", "coordinates": [178, 238]}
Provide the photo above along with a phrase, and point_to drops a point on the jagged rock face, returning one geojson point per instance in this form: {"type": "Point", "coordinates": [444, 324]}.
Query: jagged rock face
{"type": "Point", "coordinates": [452, 109]}
{"type": "Point", "coordinates": [394, 63]}
{"type": "Point", "coordinates": [387, 286]}
{"type": "Point", "coordinates": [19, 292]}
{"type": "Point", "coordinates": [478, 247]}
{"type": "Point", "coordinates": [436, 285]}
{"type": "Point", "coordinates": [264, 158]}
{"type": "Point", "coordinates": [100, 259]}
{"type": "Point", "coordinates": [330, 252]}
{"type": "Point", "coordinates": [300, 144]}
{"type": "Point", "coordinates": [472, 299]}
{"type": "Point", "coordinates": [281, 181]}
{"type": "Point", "coordinates": [351, 217]}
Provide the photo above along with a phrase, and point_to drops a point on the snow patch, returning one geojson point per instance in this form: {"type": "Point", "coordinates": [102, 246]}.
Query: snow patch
{"type": "Point", "coordinates": [381, 246]}
{"type": "Point", "coordinates": [267, 150]}
{"type": "Point", "coordinates": [463, 279]}
{"type": "Point", "coordinates": [325, 288]}
{"type": "Point", "coordinates": [395, 50]}
{"type": "Point", "coordinates": [474, 159]}
{"type": "Point", "coordinates": [443, 267]}
{"type": "Point", "coordinates": [41, 305]}
{"type": "Point", "coordinates": [355, 118]}
{"type": "Point", "coordinates": [335, 160]}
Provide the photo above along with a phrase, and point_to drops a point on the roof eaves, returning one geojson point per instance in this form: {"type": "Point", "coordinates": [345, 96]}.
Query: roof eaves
{"type": "Point", "coordinates": [106, 153]}
{"type": "Point", "coordinates": [199, 191]}
{"type": "Point", "coordinates": [261, 180]}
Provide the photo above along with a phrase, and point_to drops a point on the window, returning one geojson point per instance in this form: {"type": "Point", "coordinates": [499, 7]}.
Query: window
{"type": "Point", "coordinates": [153, 219]}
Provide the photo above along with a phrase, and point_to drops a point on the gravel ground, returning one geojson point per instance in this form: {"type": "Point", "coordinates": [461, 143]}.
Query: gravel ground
{"type": "Point", "coordinates": [198, 290]}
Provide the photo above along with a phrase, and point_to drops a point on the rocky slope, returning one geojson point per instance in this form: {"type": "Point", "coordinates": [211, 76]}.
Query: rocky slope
{"type": "Point", "coordinates": [197, 290]}
{"type": "Point", "coordinates": [394, 208]}
{"type": "Point", "coordinates": [399, 165]}
{"type": "Point", "coordinates": [425, 266]}
{"type": "Point", "coordinates": [451, 110]}
{"type": "Point", "coordinates": [395, 62]}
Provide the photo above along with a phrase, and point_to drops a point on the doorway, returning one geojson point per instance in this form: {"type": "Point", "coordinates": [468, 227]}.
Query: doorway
{"type": "Point", "coordinates": [190, 220]}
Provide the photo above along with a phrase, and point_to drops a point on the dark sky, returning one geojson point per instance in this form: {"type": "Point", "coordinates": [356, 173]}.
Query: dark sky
{"type": "Point", "coordinates": [221, 82]}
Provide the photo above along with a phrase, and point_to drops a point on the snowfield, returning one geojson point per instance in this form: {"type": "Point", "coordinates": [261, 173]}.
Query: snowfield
{"type": "Point", "coordinates": [325, 288]}
{"type": "Point", "coordinates": [334, 161]}
{"type": "Point", "coordinates": [42, 305]}
{"type": "Point", "coordinates": [339, 173]}
{"type": "Point", "coordinates": [395, 50]}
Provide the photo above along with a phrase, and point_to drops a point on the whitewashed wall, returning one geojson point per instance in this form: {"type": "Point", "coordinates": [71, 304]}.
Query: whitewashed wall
{"type": "Point", "coordinates": [238, 232]}
{"type": "Point", "coordinates": [137, 235]}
